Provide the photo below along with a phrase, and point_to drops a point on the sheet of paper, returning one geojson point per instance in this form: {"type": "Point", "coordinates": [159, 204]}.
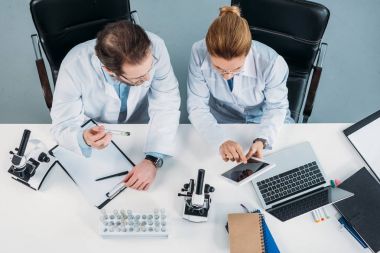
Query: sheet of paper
{"type": "Point", "coordinates": [84, 171]}
{"type": "Point", "coordinates": [367, 141]}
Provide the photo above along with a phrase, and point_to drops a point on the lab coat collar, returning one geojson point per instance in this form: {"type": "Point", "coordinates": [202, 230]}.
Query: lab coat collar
{"type": "Point", "coordinates": [249, 68]}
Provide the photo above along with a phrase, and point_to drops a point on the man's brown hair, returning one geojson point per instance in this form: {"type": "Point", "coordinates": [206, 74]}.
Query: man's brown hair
{"type": "Point", "coordinates": [121, 42]}
{"type": "Point", "coordinates": [229, 35]}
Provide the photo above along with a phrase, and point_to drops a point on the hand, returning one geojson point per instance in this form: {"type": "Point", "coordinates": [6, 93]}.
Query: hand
{"type": "Point", "coordinates": [141, 176]}
{"type": "Point", "coordinates": [256, 150]}
{"type": "Point", "coordinates": [97, 137]}
{"type": "Point", "coordinates": [232, 151]}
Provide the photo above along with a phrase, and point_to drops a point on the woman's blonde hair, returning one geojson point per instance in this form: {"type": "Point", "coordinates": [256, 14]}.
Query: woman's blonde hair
{"type": "Point", "coordinates": [229, 35]}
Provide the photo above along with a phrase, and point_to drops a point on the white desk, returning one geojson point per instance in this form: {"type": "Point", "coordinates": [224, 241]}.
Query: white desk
{"type": "Point", "coordinates": [59, 219]}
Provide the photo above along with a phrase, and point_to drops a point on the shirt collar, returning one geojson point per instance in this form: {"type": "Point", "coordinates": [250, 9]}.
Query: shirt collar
{"type": "Point", "coordinates": [99, 68]}
{"type": "Point", "coordinates": [107, 76]}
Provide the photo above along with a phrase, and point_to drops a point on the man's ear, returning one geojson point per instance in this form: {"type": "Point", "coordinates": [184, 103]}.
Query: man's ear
{"type": "Point", "coordinates": [109, 71]}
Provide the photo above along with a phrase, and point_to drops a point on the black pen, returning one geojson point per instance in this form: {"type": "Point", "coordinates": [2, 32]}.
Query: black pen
{"type": "Point", "coordinates": [114, 175]}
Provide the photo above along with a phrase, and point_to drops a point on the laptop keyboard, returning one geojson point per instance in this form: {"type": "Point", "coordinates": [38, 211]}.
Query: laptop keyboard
{"type": "Point", "coordinates": [290, 182]}
{"type": "Point", "coordinates": [302, 205]}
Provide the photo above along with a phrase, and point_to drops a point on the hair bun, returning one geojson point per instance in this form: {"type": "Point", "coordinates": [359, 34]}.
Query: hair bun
{"type": "Point", "coordinates": [229, 9]}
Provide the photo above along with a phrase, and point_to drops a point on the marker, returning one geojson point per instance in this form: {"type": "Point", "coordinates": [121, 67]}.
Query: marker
{"type": "Point", "coordinates": [118, 132]}
{"type": "Point", "coordinates": [325, 213]}
{"type": "Point", "coordinates": [315, 216]}
{"type": "Point", "coordinates": [320, 214]}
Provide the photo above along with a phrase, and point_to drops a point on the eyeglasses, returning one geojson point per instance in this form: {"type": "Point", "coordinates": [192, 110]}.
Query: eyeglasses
{"type": "Point", "coordinates": [224, 72]}
{"type": "Point", "coordinates": [137, 81]}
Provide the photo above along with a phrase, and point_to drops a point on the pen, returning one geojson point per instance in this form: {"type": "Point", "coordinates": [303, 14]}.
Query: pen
{"type": "Point", "coordinates": [114, 175]}
{"type": "Point", "coordinates": [118, 132]}
{"type": "Point", "coordinates": [245, 208]}
{"type": "Point", "coordinates": [325, 213]}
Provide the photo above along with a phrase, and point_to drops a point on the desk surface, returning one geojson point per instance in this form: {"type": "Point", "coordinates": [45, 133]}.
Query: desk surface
{"type": "Point", "coordinates": [59, 219]}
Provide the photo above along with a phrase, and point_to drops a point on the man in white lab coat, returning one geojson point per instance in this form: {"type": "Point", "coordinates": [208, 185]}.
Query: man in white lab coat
{"type": "Point", "coordinates": [124, 76]}
{"type": "Point", "coordinates": [233, 79]}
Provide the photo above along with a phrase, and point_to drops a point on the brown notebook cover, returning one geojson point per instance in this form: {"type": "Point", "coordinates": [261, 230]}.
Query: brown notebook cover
{"type": "Point", "coordinates": [245, 233]}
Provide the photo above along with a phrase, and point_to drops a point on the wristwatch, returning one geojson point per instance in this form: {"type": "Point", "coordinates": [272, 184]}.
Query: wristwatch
{"type": "Point", "coordinates": [264, 141]}
{"type": "Point", "coordinates": [158, 162]}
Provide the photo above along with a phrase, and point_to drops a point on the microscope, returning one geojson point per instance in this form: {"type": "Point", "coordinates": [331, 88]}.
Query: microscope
{"type": "Point", "coordinates": [197, 203]}
{"type": "Point", "coordinates": [30, 166]}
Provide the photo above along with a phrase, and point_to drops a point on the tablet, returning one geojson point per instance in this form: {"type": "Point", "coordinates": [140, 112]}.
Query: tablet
{"type": "Point", "coordinates": [244, 173]}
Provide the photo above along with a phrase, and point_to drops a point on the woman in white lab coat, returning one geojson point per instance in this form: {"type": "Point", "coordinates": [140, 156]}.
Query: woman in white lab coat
{"type": "Point", "coordinates": [118, 78]}
{"type": "Point", "coordinates": [234, 79]}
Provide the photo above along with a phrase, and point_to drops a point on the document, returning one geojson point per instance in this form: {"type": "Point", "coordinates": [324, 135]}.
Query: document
{"type": "Point", "coordinates": [102, 163]}
{"type": "Point", "coordinates": [365, 136]}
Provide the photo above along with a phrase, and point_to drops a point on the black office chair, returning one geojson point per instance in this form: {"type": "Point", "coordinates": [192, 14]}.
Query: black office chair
{"type": "Point", "coordinates": [294, 28]}
{"type": "Point", "coordinates": [63, 24]}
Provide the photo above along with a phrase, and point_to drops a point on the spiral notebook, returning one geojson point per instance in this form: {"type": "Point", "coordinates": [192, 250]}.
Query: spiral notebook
{"type": "Point", "coordinates": [269, 242]}
{"type": "Point", "coordinates": [246, 233]}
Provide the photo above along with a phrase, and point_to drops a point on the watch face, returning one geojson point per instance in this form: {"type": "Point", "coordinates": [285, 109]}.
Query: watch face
{"type": "Point", "coordinates": [159, 163]}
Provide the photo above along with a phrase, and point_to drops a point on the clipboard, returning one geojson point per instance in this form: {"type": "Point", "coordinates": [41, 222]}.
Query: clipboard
{"type": "Point", "coordinates": [365, 138]}
{"type": "Point", "coordinates": [84, 171]}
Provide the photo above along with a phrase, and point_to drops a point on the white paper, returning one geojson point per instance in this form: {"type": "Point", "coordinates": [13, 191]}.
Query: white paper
{"type": "Point", "coordinates": [84, 171]}
{"type": "Point", "coordinates": [367, 141]}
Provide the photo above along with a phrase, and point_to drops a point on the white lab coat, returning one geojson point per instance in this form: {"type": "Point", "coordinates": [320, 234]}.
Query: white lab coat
{"type": "Point", "coordinates": [259, 94]}
{"type": "Point", "coordinates": [82, 92]}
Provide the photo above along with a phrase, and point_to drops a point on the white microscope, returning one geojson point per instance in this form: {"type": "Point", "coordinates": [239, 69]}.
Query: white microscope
{"type": "Point", "coordinates": [30, 166]}
{"type": "Point", "coordinates": [197, 203]}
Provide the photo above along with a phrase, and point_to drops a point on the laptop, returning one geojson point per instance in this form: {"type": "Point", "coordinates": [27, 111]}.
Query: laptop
{"type": "Point", "coordinates": [296, 185]}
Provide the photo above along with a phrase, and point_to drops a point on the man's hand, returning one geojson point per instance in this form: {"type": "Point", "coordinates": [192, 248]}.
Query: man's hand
{"type": "Point", "coordinates": [232, 151]}
{"type": "Point", "coordinates": [97, 137]}
{"type": "Point", "coordinates": [141, 176]}
{"type": "Point", "coordinates": [256, 150]}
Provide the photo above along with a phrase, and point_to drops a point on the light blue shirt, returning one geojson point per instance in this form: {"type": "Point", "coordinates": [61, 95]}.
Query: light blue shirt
{"type": "Point", "coordinates": [122, 90]}
{"type": "Point", "coordinates": [258, 95]}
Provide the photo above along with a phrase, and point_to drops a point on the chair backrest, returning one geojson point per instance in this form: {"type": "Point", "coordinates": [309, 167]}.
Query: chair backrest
{"type": "Point", "coordinates": [294, 28]}
{"type": "Point", "coordinates": [63, 24]}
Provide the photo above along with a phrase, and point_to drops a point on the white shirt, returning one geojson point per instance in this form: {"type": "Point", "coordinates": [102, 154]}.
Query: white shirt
{"type": "Point", "coordinates": [259, 94]}
{"type": "Point", "coordinates": [82, 92]}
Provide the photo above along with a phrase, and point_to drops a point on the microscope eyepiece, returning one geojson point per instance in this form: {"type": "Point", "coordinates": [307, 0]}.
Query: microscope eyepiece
{"type": "Point", "coordinates": [23, 143]}
{"type": "Point", "coordinates": [201, 177]}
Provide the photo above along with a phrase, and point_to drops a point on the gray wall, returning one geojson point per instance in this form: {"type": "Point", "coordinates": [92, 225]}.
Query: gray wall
{"type": "Point", "coordinates": [350, 83]}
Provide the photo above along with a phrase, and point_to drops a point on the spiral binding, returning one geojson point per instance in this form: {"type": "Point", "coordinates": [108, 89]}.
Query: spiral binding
{"type": "Point", "coordinates": [262, 233]}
